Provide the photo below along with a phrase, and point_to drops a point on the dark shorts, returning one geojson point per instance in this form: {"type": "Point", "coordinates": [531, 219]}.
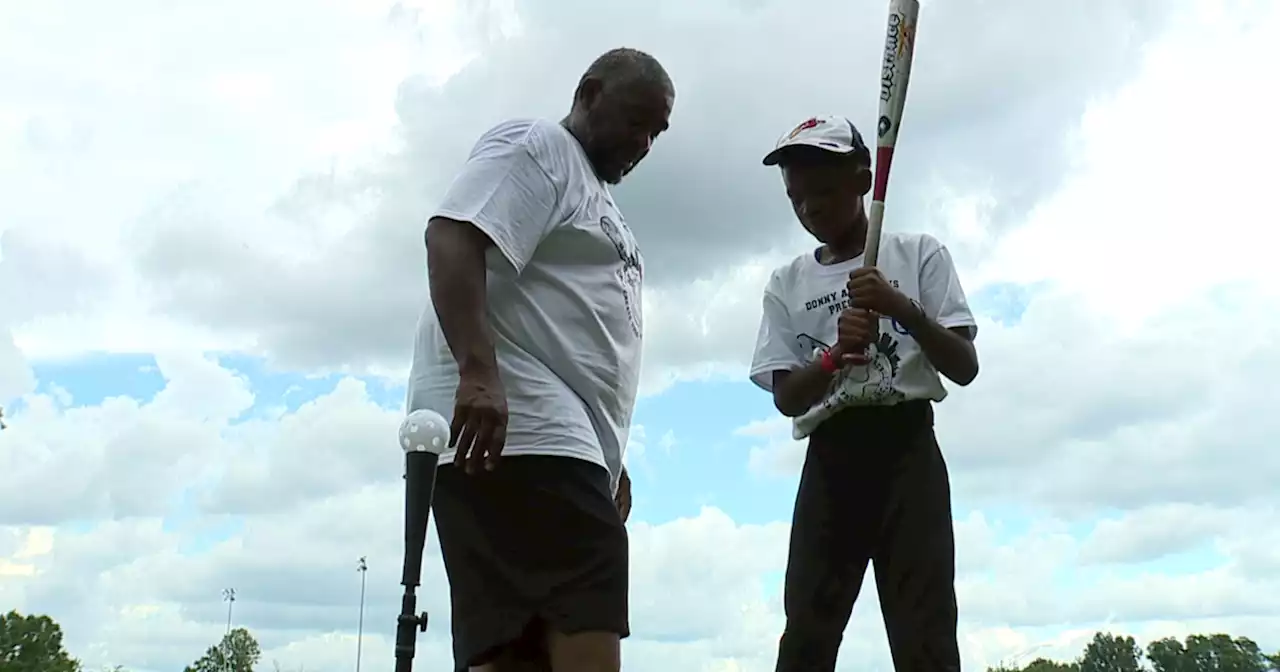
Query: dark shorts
{"type": "Point", "coordinates": [535, 545]}
{"type": "Point", "coordinates": [874, 488]}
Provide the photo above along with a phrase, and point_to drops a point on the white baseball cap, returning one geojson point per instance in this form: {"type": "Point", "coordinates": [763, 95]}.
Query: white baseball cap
{"type": "Point", "coordinates": [832, 133]}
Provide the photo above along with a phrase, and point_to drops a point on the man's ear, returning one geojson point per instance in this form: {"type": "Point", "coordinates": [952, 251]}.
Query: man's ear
{"type": "Point", "coordinates": [588, 91]}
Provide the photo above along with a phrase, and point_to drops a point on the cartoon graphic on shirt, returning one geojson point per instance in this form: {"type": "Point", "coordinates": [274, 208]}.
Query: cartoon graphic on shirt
{"type": "Point", "coordinates": [631, 274]}
{"type": "Point", "coordinates": [869, 384]}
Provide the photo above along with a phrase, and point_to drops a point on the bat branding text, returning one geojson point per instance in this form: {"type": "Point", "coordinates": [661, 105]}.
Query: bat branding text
{"type": "Point", "coordinates": [897, 45]}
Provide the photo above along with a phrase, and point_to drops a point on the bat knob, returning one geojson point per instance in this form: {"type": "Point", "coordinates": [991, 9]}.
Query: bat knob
{"type": "Point", "coordinates": [424, 431]}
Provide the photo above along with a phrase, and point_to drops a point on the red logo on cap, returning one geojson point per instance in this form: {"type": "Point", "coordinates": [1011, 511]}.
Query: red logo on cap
{"type": "Point", "coordinates": [804, 126]}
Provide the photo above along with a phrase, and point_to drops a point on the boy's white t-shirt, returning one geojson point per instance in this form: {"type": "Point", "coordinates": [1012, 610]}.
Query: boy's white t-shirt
{"type": "Point", "coordinates": [564, 282]}
{"type": "Point", "coordinates": [804, 299]}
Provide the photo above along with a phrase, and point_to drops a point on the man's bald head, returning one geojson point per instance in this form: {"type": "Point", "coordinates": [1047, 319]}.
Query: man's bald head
{"type": "Point", "coordinates": [627, 66]}
{"type": "Point", "coordinates": [621, 105]}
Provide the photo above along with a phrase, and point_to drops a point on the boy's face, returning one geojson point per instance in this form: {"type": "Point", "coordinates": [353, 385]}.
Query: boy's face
{"type": "Point", "coordinates": [826, 194]}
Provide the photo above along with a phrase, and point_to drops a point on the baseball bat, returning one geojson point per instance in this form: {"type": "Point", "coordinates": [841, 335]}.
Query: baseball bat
{"type": "Point", "coordinates": [424, 435]}
{"type": "Point", "coordinates": [895, 74]}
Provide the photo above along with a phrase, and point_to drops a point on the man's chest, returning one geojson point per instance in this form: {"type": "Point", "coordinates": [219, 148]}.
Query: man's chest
{"type": "Point", "coordinates": [593, 254]}
{"type": "Point", "coordinates": [593, 236]}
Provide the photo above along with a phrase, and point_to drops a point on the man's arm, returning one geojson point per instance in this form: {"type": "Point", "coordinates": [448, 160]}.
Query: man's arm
{"type": "Point", "coordinates": [622, 498]}
{"type": "Point", "coordinates": [504, 198]}
{"type": "Point", "coordinates": [942, 323]}
{"type": "Point", "coordinates": [457, 275]}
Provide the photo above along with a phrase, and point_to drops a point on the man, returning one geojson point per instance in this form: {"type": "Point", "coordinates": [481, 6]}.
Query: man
{"type": "Point", "coordinates": [531, 347]}
{"type": "Point", "coordinates": [853, 354]}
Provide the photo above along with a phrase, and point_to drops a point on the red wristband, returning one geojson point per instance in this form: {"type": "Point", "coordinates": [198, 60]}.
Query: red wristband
{"type": "Point", "coordinates": [827, 362]}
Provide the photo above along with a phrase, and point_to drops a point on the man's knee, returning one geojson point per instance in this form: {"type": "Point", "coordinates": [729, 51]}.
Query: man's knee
{"type": "Point", "coordinates": [585, 652]}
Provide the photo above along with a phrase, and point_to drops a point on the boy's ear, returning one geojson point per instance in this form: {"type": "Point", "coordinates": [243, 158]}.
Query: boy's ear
{"type": "Point", "coordinates": [863, 180]}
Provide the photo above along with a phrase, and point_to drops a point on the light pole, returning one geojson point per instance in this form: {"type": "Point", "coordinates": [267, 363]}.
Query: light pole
{"type": "Point", "coordinates": [363, 568]}
{"type": "Point", "coordinates": [228, 596]}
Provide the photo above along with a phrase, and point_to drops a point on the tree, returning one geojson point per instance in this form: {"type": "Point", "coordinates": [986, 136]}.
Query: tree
{"type": "Point", "coordinates": [1111, 653]}
{"type": "Point", "coordinates": [237, 652]}
{"type": "Point", "coordinates": [1046, 665]}
{"type": "Point", "coordinates": [1168, 655]}
{"type": "Point", "coordinates": [1208, 653]}
{"type": "Point", "coordinates": [1199, 653]}
{"type": "Point", "coordinates": [1040, 665]}
{"type": "Point", "coordinates": [33, 644]}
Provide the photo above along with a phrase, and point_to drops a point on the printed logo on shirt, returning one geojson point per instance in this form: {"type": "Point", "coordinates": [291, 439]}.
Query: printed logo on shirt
{"type": "Point", "coordinates": [630, 274]}
{"type": "Point", "coordinates": [869, 384]}
{"type": "Point", "coordinates": [872, 383]}
{"type": "Point", "coordinates": [882, 369]}
{"type": "Point", "coordinates": [832, 303]}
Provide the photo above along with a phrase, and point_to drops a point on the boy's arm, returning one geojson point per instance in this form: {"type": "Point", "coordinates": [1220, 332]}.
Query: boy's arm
{"type": "Point", "coordinates": [942, 323]}
{"type": "Point", "coordinates": [950, 350]}
{"type": "Point", "coordinates": [779, 365]}
{"type": "Point", "coordinates": [796, 391]}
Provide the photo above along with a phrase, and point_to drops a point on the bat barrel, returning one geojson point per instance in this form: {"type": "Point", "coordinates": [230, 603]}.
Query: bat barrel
{"type": "Point", "coordinates": [895, 76]}
{"type": "Point", "coordinates": [419, 487]}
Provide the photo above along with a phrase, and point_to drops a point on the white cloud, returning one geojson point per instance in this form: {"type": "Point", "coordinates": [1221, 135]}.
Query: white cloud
{"type": "Point", "coordinates": [1135, 387]}
{"type": "Point", "coordinates": [308, 169]}
{"type": "Point", "coordinates": [135, 590]}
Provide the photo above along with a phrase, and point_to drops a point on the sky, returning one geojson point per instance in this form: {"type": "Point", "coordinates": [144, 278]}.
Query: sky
{"type": "Point", "coordinates": [211, 266]}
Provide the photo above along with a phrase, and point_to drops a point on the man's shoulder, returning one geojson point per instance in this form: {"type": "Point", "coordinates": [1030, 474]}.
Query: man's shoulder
{"type": "Point", "coordinates": [546, 143]}
{"type": "Point", "coordinates": [540, 137]}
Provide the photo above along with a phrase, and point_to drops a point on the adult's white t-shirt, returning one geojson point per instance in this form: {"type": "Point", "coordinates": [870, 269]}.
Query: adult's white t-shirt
{"type": "Point", "coordinates": [804, 298]}
{"type": "Point", "coordinates": [564, 282]}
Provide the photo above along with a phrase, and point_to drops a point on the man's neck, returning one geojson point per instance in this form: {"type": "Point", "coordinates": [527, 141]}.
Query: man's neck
{"type": "Point", "coordinates": [570, 123]}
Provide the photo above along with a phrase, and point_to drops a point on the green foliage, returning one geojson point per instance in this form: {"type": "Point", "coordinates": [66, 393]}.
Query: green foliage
{"type": "Point", "coordinates": [1111, 653]}
{"type": "Point", "coordinates": [33, 644]}
{"type": "Point", "coordinates": [1209, 653]}
{"type": "Point", "coordinates": [1046, 665]}
{"type": "Point", "coordinates": [1197, 653]}
{"type": "Point", "coordinates": [1040, 665]}
{"type": "Point", "coordinates": [237, 652]}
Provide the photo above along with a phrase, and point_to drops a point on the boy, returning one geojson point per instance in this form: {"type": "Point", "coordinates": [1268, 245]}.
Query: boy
{"type": "Point", "coordinates": [853, 355]}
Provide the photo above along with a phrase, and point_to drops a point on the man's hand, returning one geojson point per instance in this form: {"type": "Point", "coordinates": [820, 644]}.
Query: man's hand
{"type": "Point", "coordinates": [869, 290]}
{"type": "Point", "coordinates": [855, 330]}
{"type": "Point", "coordinates": [623, 499]}
{"type": "Point", "coordinates": [479, 428]}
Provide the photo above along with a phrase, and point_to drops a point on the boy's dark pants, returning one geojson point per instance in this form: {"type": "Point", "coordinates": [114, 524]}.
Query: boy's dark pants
{"type": "Point", "coordinates": [874, 489]}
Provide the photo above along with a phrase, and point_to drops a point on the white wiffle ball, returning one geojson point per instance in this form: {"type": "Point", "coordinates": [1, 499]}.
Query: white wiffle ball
{"type": "Point", "coordinates": [424, 431]}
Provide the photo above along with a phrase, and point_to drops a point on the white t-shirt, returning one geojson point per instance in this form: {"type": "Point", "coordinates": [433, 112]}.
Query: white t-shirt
{"type": "Point", "coordinates": [564, 279]}
{"type": "Point", "coordinates": [804, 299]}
